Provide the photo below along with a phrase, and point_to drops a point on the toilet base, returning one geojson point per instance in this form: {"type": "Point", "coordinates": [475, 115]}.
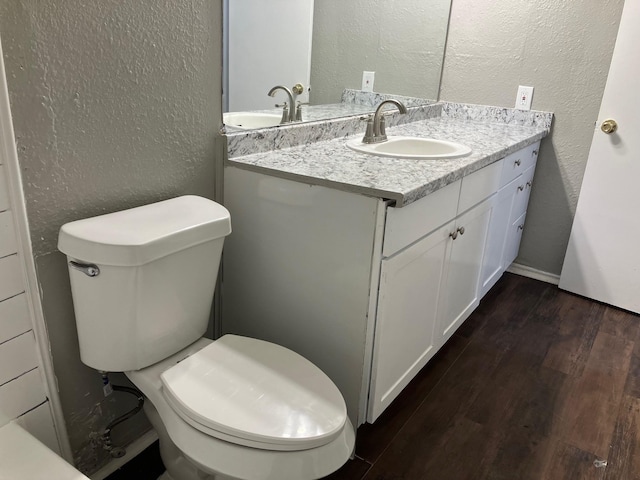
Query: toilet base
{"type": "Point", "coordinates": [190, 454]}
{"type": "Point", "coordinates": [177, 465]}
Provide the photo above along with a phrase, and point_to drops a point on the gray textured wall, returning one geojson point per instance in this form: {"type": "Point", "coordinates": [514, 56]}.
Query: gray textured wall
{"type": "Point", "coordinates": [564, 50]}
{"type": "Point", "coordinates": [115, 104]}
{"type": "Point", "coordinates": [402, 41]}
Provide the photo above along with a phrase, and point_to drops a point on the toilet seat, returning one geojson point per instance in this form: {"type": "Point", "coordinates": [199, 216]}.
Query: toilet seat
{"type": "Point", "coordinates": [255, 393]}
{"type": "Point", "coordinates": [215, 455]}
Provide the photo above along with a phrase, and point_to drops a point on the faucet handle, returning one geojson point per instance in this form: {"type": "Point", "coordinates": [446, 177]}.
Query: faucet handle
{"type": "Point", "coordinates": [368, 135]}
{"type": "Point", "coordinates": [285, 112]}
{"type": "Point", "coordinates": [299, 111]}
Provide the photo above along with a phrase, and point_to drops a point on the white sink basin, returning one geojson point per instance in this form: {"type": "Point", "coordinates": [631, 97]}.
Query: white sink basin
{"type": "Point", "coordinates": [251, 119]}
{"type": "Point", "coordinates": [411, 147]}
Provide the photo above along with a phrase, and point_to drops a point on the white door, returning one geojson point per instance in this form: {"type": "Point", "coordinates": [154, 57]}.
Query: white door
{"type": "Point", "coordinates": [269, 44]}
{"type": "Point", "coordinates": [603, 260]}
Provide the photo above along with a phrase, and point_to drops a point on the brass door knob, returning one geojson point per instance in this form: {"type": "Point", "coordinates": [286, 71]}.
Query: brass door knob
{"type": "Point", "coordinates": [609, 126]}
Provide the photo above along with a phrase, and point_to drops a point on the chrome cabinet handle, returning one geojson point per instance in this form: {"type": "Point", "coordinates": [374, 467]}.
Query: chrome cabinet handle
{"type": "Point", "coordinates": [517, 163]}
{"type": "Point", "coordinates": [459, 230]}
{"type": "Point", "coordinates": [89, 269]}
{"type": "Point", "coordinates": [521, 226]}
{"type": "Point", "coordinates": [520, 188]}
{"type": "Point", "coordinates": [535, 152]}
{"type": "Point", "coordinates": [529, 183]}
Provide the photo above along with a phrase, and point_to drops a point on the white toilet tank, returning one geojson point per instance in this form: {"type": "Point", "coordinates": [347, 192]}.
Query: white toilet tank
{"type": "Point", "coordinates": [143, 279]}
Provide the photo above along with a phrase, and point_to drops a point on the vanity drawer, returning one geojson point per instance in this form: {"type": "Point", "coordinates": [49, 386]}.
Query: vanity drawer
{"type": "Point", "coordinates": [525, 182]}
{"type": "Point", "coordinates": [407, 224]}
{"type": "Point", "coordinates": [479, 185]}
{"type": "Point", "coordinates": [518, 162]}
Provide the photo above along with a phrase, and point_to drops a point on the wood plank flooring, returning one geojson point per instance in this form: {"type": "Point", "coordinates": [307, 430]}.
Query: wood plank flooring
{"type": "Point", "coordinates": [537, 384]}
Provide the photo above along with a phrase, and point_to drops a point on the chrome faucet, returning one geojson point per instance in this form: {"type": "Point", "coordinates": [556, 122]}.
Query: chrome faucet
{"type": "Point", "coordinates": [376, 125]}
{"type": "Point", "coordinates": [288, 111]}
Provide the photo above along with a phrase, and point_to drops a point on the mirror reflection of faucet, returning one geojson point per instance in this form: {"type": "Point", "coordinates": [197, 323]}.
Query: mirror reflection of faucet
{"type": "Point", "coordinates": [376, 124]}
{"type": "Point", "coordinates": [290, 112]}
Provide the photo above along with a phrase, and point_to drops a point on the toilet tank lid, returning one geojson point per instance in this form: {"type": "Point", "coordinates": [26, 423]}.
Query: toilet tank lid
{"type": "Point", "coordinates": [140, 235]}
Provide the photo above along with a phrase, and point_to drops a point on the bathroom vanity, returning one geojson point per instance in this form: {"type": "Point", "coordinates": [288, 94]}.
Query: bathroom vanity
{"type": "Point", "coordinates": [367, 265]}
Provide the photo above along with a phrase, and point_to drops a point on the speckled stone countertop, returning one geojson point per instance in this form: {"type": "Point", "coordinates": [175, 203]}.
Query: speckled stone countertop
{"type": "Point", "coordinates": [330, 163]}
{"type": "Point", "coordinates": [314, 113]}
{"type": "Point", "coordinates": [353, 103]}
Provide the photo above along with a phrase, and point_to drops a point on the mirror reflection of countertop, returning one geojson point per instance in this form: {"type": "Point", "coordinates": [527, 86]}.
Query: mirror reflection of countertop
{"type": "Point", "coordinates": [314, 113]}
{"type": "Point", "coordinates": [353, 103]}
{"type": "Point", "coordinates": [490, 132]}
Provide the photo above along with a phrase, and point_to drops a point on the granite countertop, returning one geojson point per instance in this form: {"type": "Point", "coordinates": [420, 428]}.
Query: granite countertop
{"type": "Point", "coordinates": [330, 163]}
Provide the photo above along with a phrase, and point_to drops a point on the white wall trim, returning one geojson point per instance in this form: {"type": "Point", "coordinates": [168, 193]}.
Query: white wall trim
{"type": "Point", "coordinates": [534, 273]}
{"type": "Point", "coordinates": [10, 156]}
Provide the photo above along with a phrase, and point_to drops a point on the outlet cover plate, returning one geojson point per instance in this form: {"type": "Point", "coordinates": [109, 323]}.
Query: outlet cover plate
{"type": "Point", "coordinates": [367, 81]}
{"type": "Point", "coordinates": [524, 97]}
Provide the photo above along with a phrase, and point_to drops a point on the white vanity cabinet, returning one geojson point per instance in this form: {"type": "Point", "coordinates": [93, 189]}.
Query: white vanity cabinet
{"type": "Point", "coordinates": [366, 291]}
{"type": "Point", "coordinates": [428, 280]}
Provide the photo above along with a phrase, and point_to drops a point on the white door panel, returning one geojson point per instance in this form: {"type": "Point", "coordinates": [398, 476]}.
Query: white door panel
{"type": "Point", "coordinates": [602, 260]}
{"type": "Point", "coordinates": [263, 54]}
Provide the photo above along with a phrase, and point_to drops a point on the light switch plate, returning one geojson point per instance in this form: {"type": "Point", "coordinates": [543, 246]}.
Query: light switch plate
{"type": "Point", "coordinates": [524, 97]}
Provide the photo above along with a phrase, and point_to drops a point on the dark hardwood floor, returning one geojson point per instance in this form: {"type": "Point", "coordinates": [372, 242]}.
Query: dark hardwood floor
{"type": "Point", "coordinates": [537, 384]}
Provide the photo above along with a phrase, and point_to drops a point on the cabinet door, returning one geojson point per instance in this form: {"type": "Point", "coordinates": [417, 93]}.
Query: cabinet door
{"type": "Point", "coordinates": [460, 292]}
{"type": "Point", "coordinates": [493, 261]}
{"type": "Point", "coordinates": [407, 309]}
{"type": "Point", "coordinates": [518, 213]}
{"type": "Point", "coordinates": [513, 240]}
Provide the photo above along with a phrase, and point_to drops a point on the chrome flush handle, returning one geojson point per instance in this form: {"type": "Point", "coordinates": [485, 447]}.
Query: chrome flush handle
{"type": "Point", "coordinates": [89, 269]}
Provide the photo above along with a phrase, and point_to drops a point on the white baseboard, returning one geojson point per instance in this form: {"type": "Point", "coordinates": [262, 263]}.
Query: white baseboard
{"type": "Point", "coordinates": [534, 273]}
{"type": "Point", "coordinates": [133, 449]}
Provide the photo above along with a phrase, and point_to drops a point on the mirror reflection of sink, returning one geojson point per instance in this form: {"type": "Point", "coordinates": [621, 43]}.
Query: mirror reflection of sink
{"type": "Point", "coordinates": [411, 147]}
{"type": "Point", "coordinates": [251, 119]}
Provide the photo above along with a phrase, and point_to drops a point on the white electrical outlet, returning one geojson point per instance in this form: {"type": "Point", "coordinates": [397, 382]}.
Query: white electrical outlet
{"type": "Point", "coordinates": [367, 81]}
{"type": "Point", "coordinates": [523, 99]}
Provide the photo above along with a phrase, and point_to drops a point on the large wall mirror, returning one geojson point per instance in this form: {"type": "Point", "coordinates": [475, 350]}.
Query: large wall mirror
{"type": "Point", "coordinates": [325, 46]}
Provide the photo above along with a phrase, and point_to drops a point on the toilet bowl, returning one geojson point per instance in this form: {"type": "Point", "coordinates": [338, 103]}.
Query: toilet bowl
{"type": "Point", "coordinates": [142, 282]}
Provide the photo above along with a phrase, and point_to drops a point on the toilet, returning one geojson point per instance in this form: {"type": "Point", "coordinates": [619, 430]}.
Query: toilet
{"type": "Point", "coordinates": [142, 282]}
